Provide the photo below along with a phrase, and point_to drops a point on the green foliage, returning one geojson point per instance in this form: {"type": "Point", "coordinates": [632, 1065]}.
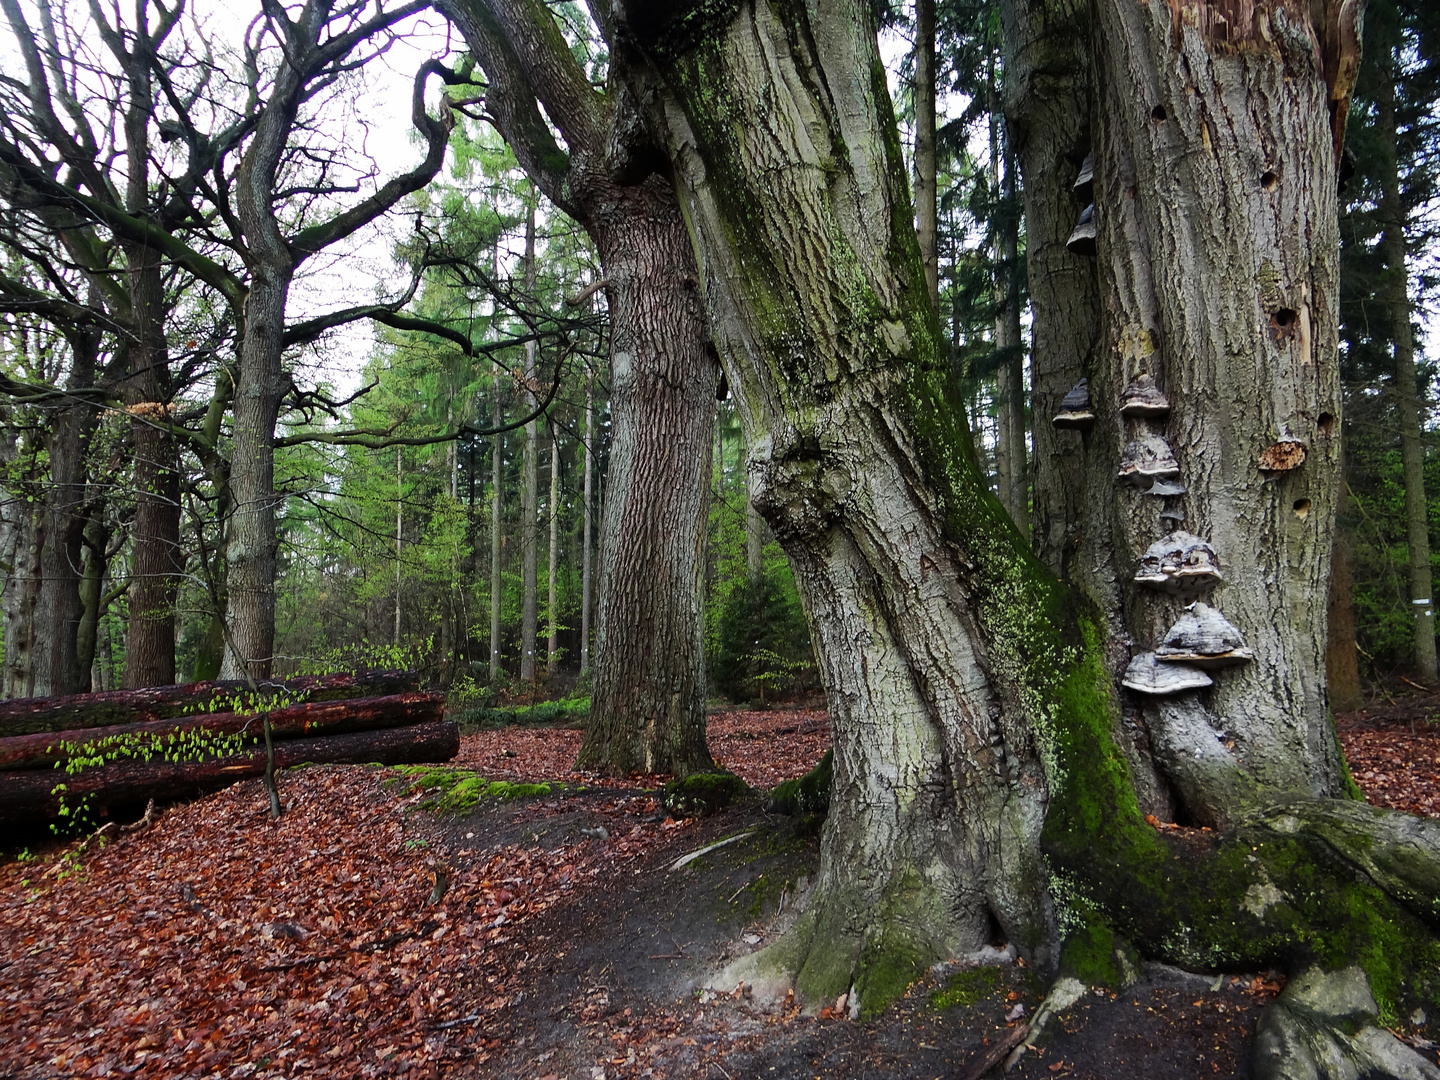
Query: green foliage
{"type": "Point", "coordinates": [702, 794]}
{"type": "Point", "coordinates": [195, 744]}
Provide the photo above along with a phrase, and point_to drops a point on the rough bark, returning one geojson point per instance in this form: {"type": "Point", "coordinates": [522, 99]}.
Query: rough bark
{"type": "Point", "coordinates": [1342, 662]}
{"type": "Point", "coordinates": [29, 795]}
{"type": "Point", "coordinates": [974, 699]}
{"type": "Point", "coordinates": [647, 708]}
{"type": "Point", "coordinates": [1406, 386]}
{"type": "Point", "coordinates": [157, 558]}
{"type": "Point", "coordinates": [59, 606]}
{"type": "Point", "coordinates": [46, 749]}
{"type": "Point", "coordinates": [21, 594]}
{"type": "Point", "coordinates": [1220, 281]}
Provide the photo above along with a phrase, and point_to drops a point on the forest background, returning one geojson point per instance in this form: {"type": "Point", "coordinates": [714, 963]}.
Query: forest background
{"type": "Point", "coordinates": [409, 536]}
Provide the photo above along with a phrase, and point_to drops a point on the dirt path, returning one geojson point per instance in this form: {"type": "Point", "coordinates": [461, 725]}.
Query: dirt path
{"type": "Point", "coordinates": [544, 937]}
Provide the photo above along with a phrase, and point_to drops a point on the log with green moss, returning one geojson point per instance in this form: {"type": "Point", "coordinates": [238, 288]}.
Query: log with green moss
{"type": "Point", "coordinates": [311, 718]}
{"type": "Point", "coordinates": [125, 775]}
{"type": "Point", "coordinates": [26, 716]}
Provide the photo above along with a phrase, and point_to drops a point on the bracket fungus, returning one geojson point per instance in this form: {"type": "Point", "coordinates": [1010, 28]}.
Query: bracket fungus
{"type": "Point", "coordinates": [1147, 460]}
{"type": "Point", "coordinates": [1205, 638]}
{"type": "Point", "coordinates": [1143, 398]}
{"type": "Point", "coordinates": [1283, 456]}
{"type": "Point", "coordinates": [1166, 488]}
{"type": "Point", "coordinates": [1082, 239]}
{"type": "Point", "coordinates": [1147, 675]}
{"type": "Point", "coordinates": [1084, 185]}
{"type": "Point", "coordinates": [1180, 564]}
{"type": "Point", "coordinates": [1075, 409]}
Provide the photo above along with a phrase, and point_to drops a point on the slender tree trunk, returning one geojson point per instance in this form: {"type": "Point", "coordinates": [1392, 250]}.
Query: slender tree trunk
{"type": "Point", "coordinates": [92, 599]}
{"type": "Point", "coordinates": [648, 708]}
{"type": "Point", "coordinates": [1406, 383]}
{"type": "Point", "coordinates": [926, 222]}
{"type": "Point", "coordinates": [59, 607]}
{"type": "Point", "coordinates": [529, 491]}
{"type": "Point", "coordinates": [552, 643]}
{"type": "Point", "coordinates": [497, 521]}
{"type": "Point", "coordinates": [587, 540]}
{"type": "Point", "coordinates": [399, 532]}
{"type": "Point", "coordinates": [1048, 93]}
{"type": "Point", "coordinates": [158, 558]}
{"type": "Point", "coordinates": [252, 541]}
{"type": "Point", "coordinates": [21, 594]}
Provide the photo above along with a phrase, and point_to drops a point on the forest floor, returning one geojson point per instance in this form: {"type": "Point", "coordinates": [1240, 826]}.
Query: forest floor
{"type": "Point", "coordinates": [541, 938]}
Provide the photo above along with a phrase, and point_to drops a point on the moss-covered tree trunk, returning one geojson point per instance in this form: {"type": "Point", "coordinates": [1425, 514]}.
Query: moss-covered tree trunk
{"type": "Point", "coordinates": [980, 773]}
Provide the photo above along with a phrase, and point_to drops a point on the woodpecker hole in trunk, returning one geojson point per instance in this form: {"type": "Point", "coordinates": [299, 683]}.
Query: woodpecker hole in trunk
{"type": "Point", "coordinates": [1158, 114]}
{"type": "Point", "coordinates": [1268, 180]}
{"type": "Point", "coordinates": [1282, 324]}
{"type": "Point", "coordinates": [1302, 508]}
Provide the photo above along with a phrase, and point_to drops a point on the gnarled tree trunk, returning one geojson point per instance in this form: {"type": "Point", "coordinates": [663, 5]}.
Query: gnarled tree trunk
{"type": "Point", "coordinates": [975, 700]}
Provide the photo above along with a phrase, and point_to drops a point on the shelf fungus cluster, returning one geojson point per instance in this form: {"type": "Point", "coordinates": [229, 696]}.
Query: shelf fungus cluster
{"type": "Point", "coordinates": [1180, 564]}
{"type": "Point", "coordinates": [1202, 640]}
{"type": "Point", "coordinates": [1082, 237]}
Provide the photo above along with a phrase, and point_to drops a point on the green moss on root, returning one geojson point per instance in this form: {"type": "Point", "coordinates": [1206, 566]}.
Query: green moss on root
{"type": "Point", "coordinates": [806, 795]}
{"type": "Point", "coordinates": [700, 794]}
{"type": "Point", "coordinates": [967, 987]}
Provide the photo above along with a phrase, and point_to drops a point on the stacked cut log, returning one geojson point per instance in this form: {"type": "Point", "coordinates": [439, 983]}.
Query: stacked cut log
{"type": "Point", "coordinates": [331, 719]}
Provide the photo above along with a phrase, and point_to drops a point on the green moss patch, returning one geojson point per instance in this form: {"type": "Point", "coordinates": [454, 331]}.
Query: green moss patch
{"type": "Point", "coordinates": [454, 791]}
{"type": "Point", "coordinates": [967, 987]}
{"type": "Point", "coordinates": [700, 794]}
{"type": "Point", "coordinates": [808, 796]}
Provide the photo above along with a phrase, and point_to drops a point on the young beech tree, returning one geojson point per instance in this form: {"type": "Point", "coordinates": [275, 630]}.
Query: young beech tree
{"type": "Point", "coordinates": [648, 704]}
{"type": "Point", "coordinates": [990, 769]}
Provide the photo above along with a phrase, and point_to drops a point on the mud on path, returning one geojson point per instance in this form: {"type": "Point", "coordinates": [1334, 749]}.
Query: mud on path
{"type": "Point", "coordinates": [541, 937]}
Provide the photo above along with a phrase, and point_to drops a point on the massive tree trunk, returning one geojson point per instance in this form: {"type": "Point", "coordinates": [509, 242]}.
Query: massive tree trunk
{"type": "Point", "coordinates": [648, 704]}
{"type": "Point", "coordinates": [979, 769]}
{"type": "Point", "coordinates": [647, 710]}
